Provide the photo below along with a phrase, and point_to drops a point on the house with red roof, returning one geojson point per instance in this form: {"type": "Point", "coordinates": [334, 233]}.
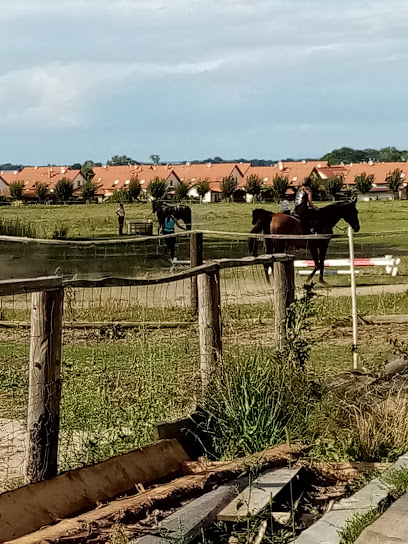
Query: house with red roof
{"type": "Point", "coordinates": [214, 173]}
{"type": "Point", "coordinates": [30, 176]}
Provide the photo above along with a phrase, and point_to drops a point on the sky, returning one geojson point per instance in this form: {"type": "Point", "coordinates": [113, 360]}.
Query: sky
{"type": "Point", "coordinates": [191, 79]}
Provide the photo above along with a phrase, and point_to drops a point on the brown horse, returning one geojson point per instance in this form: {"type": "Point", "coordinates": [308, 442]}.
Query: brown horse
{"type": "Point", "coordinates": [266, 222]}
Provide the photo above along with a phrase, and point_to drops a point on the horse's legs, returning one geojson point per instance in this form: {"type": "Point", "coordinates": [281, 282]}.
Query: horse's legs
{"type": "Point", "coordinates": [315, 256]}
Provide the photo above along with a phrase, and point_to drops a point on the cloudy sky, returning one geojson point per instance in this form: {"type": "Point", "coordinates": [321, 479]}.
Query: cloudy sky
{"type": "Point", "coordinates": [86, 79]}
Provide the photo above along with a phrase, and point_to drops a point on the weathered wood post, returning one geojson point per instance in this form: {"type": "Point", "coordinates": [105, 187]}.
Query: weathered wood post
{"type": "Point", "coordinates": [44, 384]}
{"type": "Point", "coordinates": [209, 322]}
{"type": "Point", "coordinates": [284, 294]}
{"type": "Point", "coordinates": [196, 259]}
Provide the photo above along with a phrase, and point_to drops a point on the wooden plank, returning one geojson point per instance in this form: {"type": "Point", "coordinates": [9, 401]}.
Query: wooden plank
{"type": "Point", "coordinates": [27, 509]}
{"type": "Point", "coordinates": [100, 324]}
{"type": "Point", "coordinates": [263, 490]}
{"type": "Point", "coordinates": [391, 527]}
{"type": "Point", "coordinates": [29, 285]}
{"type": "Point", "coordinates": [196, 259]}
{"type": "Point", "coordinates": [185, 524]}
{"type": "Point", "coordinates": [198, 479]}
{"type": "Point", "coordinates": [386, 319]}
{"type": "Point", "coordinates": [271, 236]}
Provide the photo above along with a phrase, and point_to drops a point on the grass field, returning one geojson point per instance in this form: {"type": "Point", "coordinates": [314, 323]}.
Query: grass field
{"type": "Point", "coordinates": [99, 220]}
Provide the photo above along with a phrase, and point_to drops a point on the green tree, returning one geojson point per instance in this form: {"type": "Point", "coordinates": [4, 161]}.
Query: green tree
{"type": "Point", "coordinates": [87, 170]}
{"type": "Point", "coordinates": [76, 166]}
{"type": "Point", "coordinates": [134, 188]}
{"type": "Point", "coordinates": [16, 190]}
{"type": "Point", "coordinates": [155, 159]}
{"type": "Point", "coordinates": [120, 160]}
{"type": "Point", "coordinates": [333, 185]}
{"type": "Point", "coordinates": [120, 195]}
{"type": "Point", "coordinates": [253, 186]}
{"type": "Point", "coordinates": [64, 189]}
{"type": "Point", "coordinates": [394, 180]}
{"type": "Point", "coordinates": [280, 186]}
{"type": "Point", "coordinates": [89, 189]}
{"type": "Point", "coordinates": [390, 154]}
{"type": "Point", "coordinates": [157, 188]}
{"type": "Point", "coordinates": [181, 191]}
{"type": "Point", "coordinates": [202, 188]}
{"type": "Point", "coordinates": [364, 182]}
{"type": "Point", "coordinates": [228, 187]}
{"type": "Point", "coordinates": [41, 191]}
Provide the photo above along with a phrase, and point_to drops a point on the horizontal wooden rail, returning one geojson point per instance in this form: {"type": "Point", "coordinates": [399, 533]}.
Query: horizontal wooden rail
{"type": "Point", "coordinates": [31, 285]}
{"type": "Point", "coordinates": [270, 236]}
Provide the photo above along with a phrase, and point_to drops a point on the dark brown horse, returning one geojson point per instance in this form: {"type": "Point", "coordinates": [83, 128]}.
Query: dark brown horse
{"type": "Point", "coordinates": [266, 222]}
{"type": "Point", "coordinates": [179, 212]}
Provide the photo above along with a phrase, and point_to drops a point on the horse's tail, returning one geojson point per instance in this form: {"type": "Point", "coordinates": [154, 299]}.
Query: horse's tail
{"type": "Point", "coordinates": [262, 225]}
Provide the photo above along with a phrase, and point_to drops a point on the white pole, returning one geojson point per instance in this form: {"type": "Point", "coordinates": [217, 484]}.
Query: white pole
{"type": "Point", "coordinates": [353, 296]}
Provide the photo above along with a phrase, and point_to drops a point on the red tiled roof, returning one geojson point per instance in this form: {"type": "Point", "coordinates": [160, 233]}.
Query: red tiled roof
{"type": "Point", "coordinates": [31, 175]}
{"type": "Point", "coordinates": [112, 178]}
{"type": "Point", "coordinates": [193, 173]}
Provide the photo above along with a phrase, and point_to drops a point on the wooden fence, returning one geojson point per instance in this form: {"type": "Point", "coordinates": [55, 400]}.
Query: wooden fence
{"type": "Point", "coordinates": [46, 336]}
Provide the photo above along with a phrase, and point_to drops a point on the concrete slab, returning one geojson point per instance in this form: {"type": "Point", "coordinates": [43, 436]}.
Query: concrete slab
{"type": "Point", "coordinates": [326, 529]}
{"type": "Point", "coordinates": [259, 494]}
{"type": "Point", "coordinates": [390, 528]}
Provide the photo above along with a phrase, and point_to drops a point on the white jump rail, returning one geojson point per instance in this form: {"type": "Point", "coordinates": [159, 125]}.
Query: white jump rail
{"type": "Point", "coordinates": [389, 262]}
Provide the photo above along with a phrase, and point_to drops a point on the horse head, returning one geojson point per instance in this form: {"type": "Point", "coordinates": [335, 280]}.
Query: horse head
{"type": "Point", "coordinates": [350, 215]}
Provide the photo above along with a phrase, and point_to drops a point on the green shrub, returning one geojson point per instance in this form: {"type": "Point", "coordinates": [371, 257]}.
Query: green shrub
{"type": "Point", "coordinates": [134, 188]}
{"type": "Point", "coordinates": [41, 190]}
{"type": "Point", "coordinates": [157, 188]}
{"type": "Point", "coordinates": [17, 227]}
{"type": "Point", "coordinates": [16, 190]}
{"type": "Point", "coordinates": [60, 232]}
{"type": "Point", "coordinates": [64, 189]}
{"type": "Point", "coordinates": [89, 189]}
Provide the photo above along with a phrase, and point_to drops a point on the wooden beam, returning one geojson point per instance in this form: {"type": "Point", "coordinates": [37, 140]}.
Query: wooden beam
{"type": "Point", "coordinates": [284, 295]}
{"type": "Point", "coordinates": [27, 509]}
{"type": "Point", "coordinates": [44, 389]}
{"type": "Point", "coordinates": [196, 259]}
{"type": "Point", "coordinates": [29, 285]}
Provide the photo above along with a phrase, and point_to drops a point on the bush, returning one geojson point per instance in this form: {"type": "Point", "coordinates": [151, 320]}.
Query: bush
{"type": "Point", "coordinates": [333, 185]}
{"type": "Point", "coordinates": [41, 190]}
{"type": "Point", "coordinates": [157, 188]}
{"type": "Point", "coordinates": [17, 228]}
{"type": "Point", "coordinates": [253, 186]}
{"type": "Point", "coordinates": [181, 192]}
{"type": "Point", "coordinates": [202, 188]}
{"type": "Point", "coordinates": [64, 189]}
{"type": "Point", "coordinates": [394, 180]}
{"type": "Point", "coordinates": [134, 189]}
{"type": "Point", "coordinates": [89, 189]}
{"type": "Point", "coordinates": [60, 232]}
{"type": "Point", "coordinates": [280, 186]}
{"type": "Point", "coordinates": [255, 402]}
{"type": "Point", "coordinates": [16, 190]}
{"type": "Point", "coordinates": [120, 195]}
{"type": "Point", "coordinates": [228, 187]}
{"type": "Point", "coordinates": [364, 182]}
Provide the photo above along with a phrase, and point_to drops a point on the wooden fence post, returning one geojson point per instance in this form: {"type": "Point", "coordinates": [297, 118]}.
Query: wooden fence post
{"type": "Point", "coordinates": [196, 259]}
{"type": "Point", "coordinates": [284, 294]}
{"type": "Point", "coordinates": [44, 384]}
{"type": "Point", "coordinates": [209, 323]}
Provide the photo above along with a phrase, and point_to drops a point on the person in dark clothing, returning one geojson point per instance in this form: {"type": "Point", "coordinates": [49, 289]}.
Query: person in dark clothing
{"type": "Point", "coordinates": [120, 212]}
{"type": "Point", "coordinates": [305, 210]}
{"type": "Point", "coordinates": [168, 228]}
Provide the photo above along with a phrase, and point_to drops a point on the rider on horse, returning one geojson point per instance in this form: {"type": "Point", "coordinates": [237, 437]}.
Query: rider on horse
{"type": "Point", "coordinates": [305, 210]}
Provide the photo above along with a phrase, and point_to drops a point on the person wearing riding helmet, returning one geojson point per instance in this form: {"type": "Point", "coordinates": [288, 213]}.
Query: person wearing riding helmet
{"type": "Point", "coordinates": [304, 207]}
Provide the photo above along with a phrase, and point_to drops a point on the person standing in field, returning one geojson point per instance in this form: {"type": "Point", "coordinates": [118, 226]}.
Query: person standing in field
{"type": "Point", "coordinates": [120, 212]}
{"type": "Point", "coordinates": [168, 228]}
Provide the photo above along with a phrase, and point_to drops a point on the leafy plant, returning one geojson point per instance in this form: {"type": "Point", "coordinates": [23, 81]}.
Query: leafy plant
{"type": "Point", "coordinates": [181, 191]}
{"type": "Point", "coordinates": [64, 189]}
{"type": "Point", "coordinates": [202, 188]}
{"type": "Point", "coordinates": [280, 186]}
{"type": "Point", "coordinates": [333, 185]}
{"type": "Point", "coordinates": [17, 227]}
{"type": "Point", "coordinates": [229, 185]}
{"type": "Point", "coordinates": [16, 190]}
{"type": "Point", "coordinates": [394, 179]}
{"type": "Point", "coordinates": [134, 188]}
{"type": "Point", "coordinates": [356, 525]}
{"type": "Point", "coordinates": [41, 190]}
{"type": "Point", "coordinates": [253, 186]}
{"type": "Point", "coordinates": [60, 232]}
{"type": "Point", "coordinates": [120, 195]}
{"type": "Point", "coordinates": [364, 182]}
{"type": "Point", "coordinates": [396, 480]}
{"type": "Point", "coordinates": [118, 534]}
{"type": "Point", "coordinates": [89, 189]}
{"type": "Point", "coordinates": [157, 188]}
